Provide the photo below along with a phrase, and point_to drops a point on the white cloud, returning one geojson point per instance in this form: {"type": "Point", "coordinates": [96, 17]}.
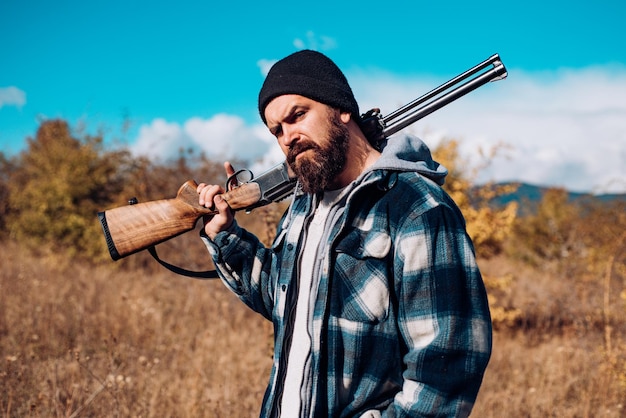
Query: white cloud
{"type": "Point", "coordinates": [222, 137]}
{"type": "Point", "coordinates": [227, 136]}
{"type": "Point", "coordinates": [315, 42]}
{"type": "Point", "coordinates": [12, 96]}
{"type": "Point", "coordinates": [160, 139]}
{"type": "Point", "coordinates": [311, 41]}
{"type": "Point", "coordinates": [265, 65]}
{"type": "Point", "coordinates": [565, 129]}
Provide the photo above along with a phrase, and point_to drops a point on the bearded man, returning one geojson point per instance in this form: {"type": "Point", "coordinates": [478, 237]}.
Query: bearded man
{"type": "Point", "coordinates": [378, 306]}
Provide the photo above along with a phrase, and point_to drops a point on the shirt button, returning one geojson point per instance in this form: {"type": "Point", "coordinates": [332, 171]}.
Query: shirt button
{"type": "Point", "coordinates": [289, 247]}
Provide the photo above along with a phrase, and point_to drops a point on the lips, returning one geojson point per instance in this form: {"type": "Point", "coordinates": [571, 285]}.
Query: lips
{"type": "Point", "coordinates": [298, 151]}
{"type": "Point", "coordinates": [301, 153]}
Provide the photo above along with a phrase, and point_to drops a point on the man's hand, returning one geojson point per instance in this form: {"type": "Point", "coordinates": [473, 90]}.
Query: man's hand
{"type": "Point", "coordinates": [210, 196]}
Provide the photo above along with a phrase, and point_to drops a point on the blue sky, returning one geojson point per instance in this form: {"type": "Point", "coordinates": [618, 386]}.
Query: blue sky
{"type": "Point", "coordinates": [187, 74]}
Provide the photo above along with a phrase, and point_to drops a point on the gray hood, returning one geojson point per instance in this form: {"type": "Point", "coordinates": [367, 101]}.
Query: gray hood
{"type": "Point", "coordinates": [409, 153]}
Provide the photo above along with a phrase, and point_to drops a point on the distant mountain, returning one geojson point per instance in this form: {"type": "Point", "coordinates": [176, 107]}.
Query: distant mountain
{"type": "Point", "coordinates": [531, 195]}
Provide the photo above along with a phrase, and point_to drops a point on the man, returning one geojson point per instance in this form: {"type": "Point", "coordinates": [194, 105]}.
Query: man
{"type": "Point", "coordinates": [378, 306]}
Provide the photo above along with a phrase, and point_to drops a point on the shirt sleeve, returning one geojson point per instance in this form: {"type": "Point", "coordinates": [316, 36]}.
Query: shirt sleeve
{"type": "Point", "coordinates": [244, 265]}
{"type": "Point", "coordinates": [443, 316]}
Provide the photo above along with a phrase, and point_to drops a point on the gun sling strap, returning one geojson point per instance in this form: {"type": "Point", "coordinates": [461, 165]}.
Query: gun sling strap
{"type": "Point", "coordinates": [201, 275]}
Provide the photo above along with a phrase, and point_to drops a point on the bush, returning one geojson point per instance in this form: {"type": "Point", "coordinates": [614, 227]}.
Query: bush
{"type": "Point", "coordinates": [488, 226]}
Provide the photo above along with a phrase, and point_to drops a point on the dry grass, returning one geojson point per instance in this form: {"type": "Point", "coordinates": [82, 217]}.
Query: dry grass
{"type": "Point", "coordinates": [84, 341]}
{"type": "Point", "coordinates": [559, 377]}
{"type": "Point", "coordinates": [557, 359]}
{"type": "Point", "coordinates": [78, 340]}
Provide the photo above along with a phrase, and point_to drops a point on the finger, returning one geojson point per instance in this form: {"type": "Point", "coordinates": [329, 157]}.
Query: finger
{"type": "Point", "coordinates": [207, 195]}
{"type": "Point", "coordinates": [201, 189]}
{"type": "Point", "coordinates": [230, 170]}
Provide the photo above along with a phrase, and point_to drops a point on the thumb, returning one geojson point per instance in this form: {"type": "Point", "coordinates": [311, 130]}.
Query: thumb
{"type": "Point", "coordinates": [230, 170]}
{"type": "Point", "coordinates": [220, 203]}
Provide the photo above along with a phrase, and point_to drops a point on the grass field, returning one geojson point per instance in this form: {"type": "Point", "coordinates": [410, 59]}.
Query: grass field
{"type": "Point", "coordinates": [131, 341]}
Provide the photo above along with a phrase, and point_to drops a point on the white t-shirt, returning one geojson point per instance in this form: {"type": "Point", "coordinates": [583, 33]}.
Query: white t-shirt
{"type": "Point", "coordinates": [299, 353]}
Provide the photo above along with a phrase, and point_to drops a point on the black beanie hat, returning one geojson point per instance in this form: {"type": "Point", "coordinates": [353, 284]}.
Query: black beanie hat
{"type": "Point", "coordinates": [309, 74]}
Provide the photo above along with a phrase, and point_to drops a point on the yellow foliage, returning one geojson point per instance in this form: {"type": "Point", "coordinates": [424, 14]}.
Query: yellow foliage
{"type": "Point", "coordinates": [498, 283]}
{"type": "Point", "coordinates": [487, 226]}
{"type": "Point", "coordinates": [501, 316]}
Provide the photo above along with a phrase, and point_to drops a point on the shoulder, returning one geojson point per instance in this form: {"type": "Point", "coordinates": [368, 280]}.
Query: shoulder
{"type": "Point", "coordinates": [411, 195]}
{"type": "Point", "coordinates": [416, 190]}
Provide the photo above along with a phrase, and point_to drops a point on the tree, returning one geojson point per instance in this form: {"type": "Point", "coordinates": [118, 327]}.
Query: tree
{"type": "Point", "coordinates": [58, 185]}
{"type": "Point", "coordinates": [6, 168]}
{"type": "Point", "coordinates": [550, 233]}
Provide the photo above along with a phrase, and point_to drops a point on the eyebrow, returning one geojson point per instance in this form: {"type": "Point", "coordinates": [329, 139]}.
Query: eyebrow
{"type": "Point", "coordinates": [274, 129]}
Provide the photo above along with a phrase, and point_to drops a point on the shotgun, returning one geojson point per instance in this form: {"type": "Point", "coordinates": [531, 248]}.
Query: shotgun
{"type": "Point", "coordinates": [139, 226]}
{"type": "Point", "coordinates": [132, 228]}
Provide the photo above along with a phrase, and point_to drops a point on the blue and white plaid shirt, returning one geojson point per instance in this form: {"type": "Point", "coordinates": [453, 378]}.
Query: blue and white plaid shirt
{"type": "Point", "coordinates": [400, 323]}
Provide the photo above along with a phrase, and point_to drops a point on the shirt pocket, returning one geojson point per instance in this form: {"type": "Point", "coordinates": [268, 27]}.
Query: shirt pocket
{"type": "Point", "coordinates": [360, 285]}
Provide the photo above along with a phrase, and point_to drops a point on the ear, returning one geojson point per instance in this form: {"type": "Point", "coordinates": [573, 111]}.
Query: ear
{"type": "Point", "coordinates": [345, 117]}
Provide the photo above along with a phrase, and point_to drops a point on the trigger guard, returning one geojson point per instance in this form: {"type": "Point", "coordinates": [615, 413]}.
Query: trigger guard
{"type": "Point", "coordinates": [235, 181]}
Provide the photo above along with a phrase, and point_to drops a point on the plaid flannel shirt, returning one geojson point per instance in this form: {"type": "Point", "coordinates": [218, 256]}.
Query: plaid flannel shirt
{"type": "Point", "coordinates": [401, 324]}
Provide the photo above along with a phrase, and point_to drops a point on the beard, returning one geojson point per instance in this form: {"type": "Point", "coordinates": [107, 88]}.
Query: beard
{"type": "Point", "coordinates": [317, 171]}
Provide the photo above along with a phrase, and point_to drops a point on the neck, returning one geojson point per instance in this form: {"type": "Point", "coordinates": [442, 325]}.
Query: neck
{"type": "Point", "coordinates": [361, 155]}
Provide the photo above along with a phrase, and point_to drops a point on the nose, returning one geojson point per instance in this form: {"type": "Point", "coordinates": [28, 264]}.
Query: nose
{"type": "Point", "coordinates": [290, 136]}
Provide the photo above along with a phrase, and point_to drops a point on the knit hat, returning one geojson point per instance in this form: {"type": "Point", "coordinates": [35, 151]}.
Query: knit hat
{"type": "Point", "coordinates": [309, 74]}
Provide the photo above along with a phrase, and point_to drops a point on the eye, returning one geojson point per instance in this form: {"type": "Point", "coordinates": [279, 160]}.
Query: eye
{"type": "Point", "coordinates": [276, 131]}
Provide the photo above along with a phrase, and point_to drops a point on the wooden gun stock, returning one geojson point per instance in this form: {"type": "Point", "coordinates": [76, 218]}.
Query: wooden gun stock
{"type": "Point", "coordinates": [132, 228]}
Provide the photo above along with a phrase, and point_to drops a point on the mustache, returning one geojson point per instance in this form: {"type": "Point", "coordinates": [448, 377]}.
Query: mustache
{"type": "Point", "coordinates": [298, 148]}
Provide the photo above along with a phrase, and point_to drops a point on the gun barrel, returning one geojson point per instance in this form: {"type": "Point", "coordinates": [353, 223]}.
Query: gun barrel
{"type": "Point", "coordinates": [430, 102]}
